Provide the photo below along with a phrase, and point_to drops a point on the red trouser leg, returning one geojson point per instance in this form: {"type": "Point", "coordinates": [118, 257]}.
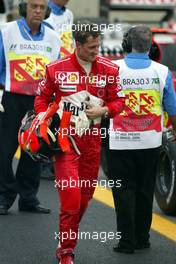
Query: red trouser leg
{"type": "Point", "coordinates": [66, 170]}
{"type": "Point", "coordinates": [75, 176]}
{"type": "Point", "coordinates": [88, 168]}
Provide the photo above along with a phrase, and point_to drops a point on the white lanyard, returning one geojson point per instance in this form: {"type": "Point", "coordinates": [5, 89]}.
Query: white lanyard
{"type": "Point", "coordinates": [31, 39]}
{"type": "Point", "coordinates": [27, 33]}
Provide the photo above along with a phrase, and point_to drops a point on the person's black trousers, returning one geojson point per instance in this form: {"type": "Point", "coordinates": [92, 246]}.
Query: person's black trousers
{"type": "Point", "coordinates": [27, 178]}
{"type": "Point", "coordinates": [134, 199]}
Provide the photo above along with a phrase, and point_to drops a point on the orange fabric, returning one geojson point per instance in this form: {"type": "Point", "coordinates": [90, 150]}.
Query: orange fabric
{"type": "Point", "coordinates": [43, 124]}
{"type": "Point", "coordinates": [63, 140]}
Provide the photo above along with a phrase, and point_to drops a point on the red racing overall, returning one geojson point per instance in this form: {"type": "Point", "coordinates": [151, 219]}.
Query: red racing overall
{"type": "Point", "coordinates": [63, 79]}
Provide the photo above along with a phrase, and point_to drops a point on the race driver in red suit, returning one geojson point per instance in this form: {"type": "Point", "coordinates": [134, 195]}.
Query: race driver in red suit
{"type": "Point", "coordinates": [86, 85]}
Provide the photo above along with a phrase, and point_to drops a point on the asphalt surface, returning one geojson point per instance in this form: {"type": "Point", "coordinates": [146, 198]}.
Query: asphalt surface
{"type": "Point", "coordinates": [27, 238]}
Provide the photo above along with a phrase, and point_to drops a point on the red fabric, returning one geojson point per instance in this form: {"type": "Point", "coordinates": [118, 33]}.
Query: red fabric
{"type": "Point", "coordinates": [103, 67]}
{"type": "Point", "coordinates": [82, 171]}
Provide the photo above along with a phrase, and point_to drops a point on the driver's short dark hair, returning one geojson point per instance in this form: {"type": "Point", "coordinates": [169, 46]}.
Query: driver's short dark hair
{"type": "Point", "coordinates": [84, 29]}
{"type": "Point", "coordinates": [141, 38]}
